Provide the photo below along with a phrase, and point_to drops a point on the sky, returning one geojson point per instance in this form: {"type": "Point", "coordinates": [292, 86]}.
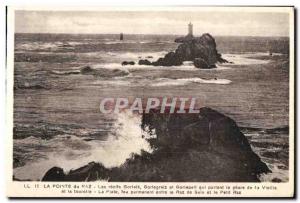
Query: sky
{"type": "Point", "coordinates": [153, 22]}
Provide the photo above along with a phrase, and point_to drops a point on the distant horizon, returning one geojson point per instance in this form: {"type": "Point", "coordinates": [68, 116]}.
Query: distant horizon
{"type": "Point", "coordinates": [195, 35]}
{"type": "Point", "coordinates": [217, 23]}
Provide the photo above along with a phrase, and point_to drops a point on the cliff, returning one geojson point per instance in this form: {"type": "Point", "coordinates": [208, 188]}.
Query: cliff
{"type": "Point", "coordinates": [204, 147]}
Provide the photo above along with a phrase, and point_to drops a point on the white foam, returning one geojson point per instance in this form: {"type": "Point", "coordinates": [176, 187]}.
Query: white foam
{"type": "Point", "coordinates": [74, 43]}
{"type": "Point", "coordinates": [243, 59]}
{"type": "Point", "coordinates": [150, 67]}
{"type": "Point", "coordinates": [261, 54]}
{"type": "Point", "coordinates": [184, 81]}
{"type": "Point", "coordinates": [71, 152]}
{"type": "Point", "coordinates": [219, 67]}
{"type": "Point", "coordinates": [29, 46]}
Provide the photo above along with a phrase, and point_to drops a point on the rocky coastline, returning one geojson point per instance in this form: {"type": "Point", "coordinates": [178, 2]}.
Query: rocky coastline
{"type": "Point", "coordinates": [204, 147]}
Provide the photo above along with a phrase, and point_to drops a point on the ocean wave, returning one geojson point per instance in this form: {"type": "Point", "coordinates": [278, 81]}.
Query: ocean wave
{"type": "Point", "coordinates": [219, 67]}
{"type": "Point", "coordinates": [251, 54]}
{"type": "Point", "coordinates": [30, 46]}
{"type": "Point", "coordinates": [53, 46]}
{"type": "Point", "coordinates": [184, 81]}
{"type": "Point", "coordinates": [281, 129]}
{"type": "Point", "coordinates": [140, 81]}
{"type": "Point", "coordinates": [58, 45]}
{"type": "Point", "coordinates": [185, 66]}
{"type": "Point", "coordinates": [148, 55]}
{"type": "Point", "coordinates": [98, 72]}
{"type": "Point", "coordinates": [71, 152]}
{"type": "Point", "coordinates": [278, 174]}
{"type": "Point", "coordinates": [112, 83]}
{"type": "Point", "coordinates": [68, 72]}
{"type": "Point", "coordinates": [243, 59]}
{"type": "Point", "coordinates": [272, 145]}
{"type": "Point", "coordinates": [126, 42]}
{"type": "Point", "coordinates": [33, 86]}
{"type": "Point", "coordinates": [125, 55]}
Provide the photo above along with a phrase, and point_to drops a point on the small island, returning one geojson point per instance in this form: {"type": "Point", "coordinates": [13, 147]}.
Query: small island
{"type": "Point", "coordinates": [201, 50]}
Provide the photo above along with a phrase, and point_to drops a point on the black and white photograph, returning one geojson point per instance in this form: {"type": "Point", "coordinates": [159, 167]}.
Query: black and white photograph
{"type": "Point", "coordinates": [154, 95]}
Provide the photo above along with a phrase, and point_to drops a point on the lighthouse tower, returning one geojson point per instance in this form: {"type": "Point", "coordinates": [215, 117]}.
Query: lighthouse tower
{"type": "Point", "coordinates": [190, 33]}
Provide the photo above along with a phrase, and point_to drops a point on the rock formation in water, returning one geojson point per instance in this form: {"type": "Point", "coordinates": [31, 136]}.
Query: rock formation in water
{"type": "Point", "coordinates": [103, 72]}
{"type": "Point", "coordinates": [204, 147]}
{"type": "Point", "coordinates": [125, 63]}
{"type": "Point", "coordinates": [201, 50]}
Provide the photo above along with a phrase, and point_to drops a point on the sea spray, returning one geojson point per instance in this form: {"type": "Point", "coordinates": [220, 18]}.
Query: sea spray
{"type": "Point", "coordinates": [126, 138]}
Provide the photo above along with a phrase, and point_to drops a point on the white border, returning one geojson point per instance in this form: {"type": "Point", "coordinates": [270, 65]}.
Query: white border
{"type": "Point", "coordinates": [9, 95]}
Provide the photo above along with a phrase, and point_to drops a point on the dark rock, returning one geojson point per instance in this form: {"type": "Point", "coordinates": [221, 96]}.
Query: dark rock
{"type": "Point", "coordinates": [124, 63]}
{"type": "Point", "coordinates": [170, 59]}
{"type": "Point", "coordinates": [276, 180]}
{"type": "Point", "coordinates": [144, 62]}
{"type": "Point", "coordinates": [149, 57]}
{"type": "Point", "coordinates": [103, 72]}
{"type": "Point", "coordinates": [87, 70]}
{"type": "Point", "coordinates": [17, 163]}
{"type": "Point", "coordinates": [199, 47]}
{"type": "Point", "coordinates": [208, 130]}
{"type": "Point", "coordinates": [200, 63]}
{"type": "Point", "coordinates": [187, 38]}
{"type": "Point", "coordinates": [221, 60]}
{"type": "Point", "coordinates": [191, 48]}
{"type": "Point", "coordinates": [91, 172]}
{"type": "Point", "coordinates": [54, 174]}
{"type": "Point", "coordinates": [197, 132]}
{"type": "Point", "coordinates": [204, 147]}
{"type": "Point", "coordinates": [227, 139]}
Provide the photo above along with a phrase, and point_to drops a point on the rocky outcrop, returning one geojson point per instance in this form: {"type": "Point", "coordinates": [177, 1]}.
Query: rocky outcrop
{"type": "Point", "coordinates": [204, 147]}
{"type": "Point", "coordinates": [54, 174]}
{"type": "Point", "coordinates": [125, 63]}
{"type": "Point", "coordinates": [144, 62]}
{"type": "Point", "coordinates": [87, 70]}
{"type": "Point", "coordinates": [103, 72]}
{"type": "Point", "coordinates": [90, 172]}
{"type": "Point", "coordinates": [201, 63]}
{"type": "Point", "coordinates": [202, 50]}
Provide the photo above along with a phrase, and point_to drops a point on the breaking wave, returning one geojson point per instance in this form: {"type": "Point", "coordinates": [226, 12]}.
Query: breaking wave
{"type": "Point", "coordinates": [68, 72]}
{"type": "Point", "coordinates": [243, 59]}
{"type": "Point", "coordinates": [70, 152]}
{"type": "Point", "coordinates": [184, 81]}
{"type": "Point", "coordinates": [185, 66]}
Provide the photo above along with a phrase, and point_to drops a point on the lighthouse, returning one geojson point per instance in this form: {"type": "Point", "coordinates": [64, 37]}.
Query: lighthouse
{"type": "Point", "coordinates": [190, 31]}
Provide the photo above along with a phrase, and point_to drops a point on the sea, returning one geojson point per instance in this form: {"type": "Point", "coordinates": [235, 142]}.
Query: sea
{"type": "Point", "coordinates": [57, 121]}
